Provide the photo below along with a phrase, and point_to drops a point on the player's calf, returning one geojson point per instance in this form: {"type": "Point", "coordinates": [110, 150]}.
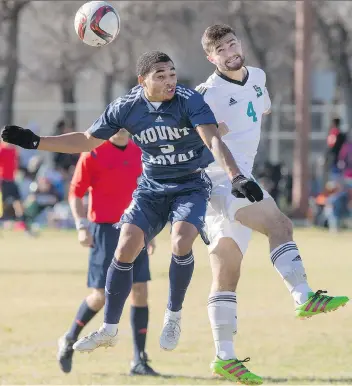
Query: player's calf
{"type": "Point", "coordinates": [266, 218]}
{"type": "Point", "coordinates": [180, 274]}
{"type": "Point", "coordinates": [225, 261]}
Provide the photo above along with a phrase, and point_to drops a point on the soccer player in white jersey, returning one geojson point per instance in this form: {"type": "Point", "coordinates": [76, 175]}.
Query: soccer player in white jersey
{"type": "Point", "coordinates": [238, 97]}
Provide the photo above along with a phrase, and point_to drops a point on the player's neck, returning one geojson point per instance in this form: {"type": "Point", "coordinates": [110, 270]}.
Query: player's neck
{"type": "Point", "coordinates": [238, 75]}
{"type": "Point", "coordinates": [152, 98]}
{"type": "Point", "coordinates": [119, 143]}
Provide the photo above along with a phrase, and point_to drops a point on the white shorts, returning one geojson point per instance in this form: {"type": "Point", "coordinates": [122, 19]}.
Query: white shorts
{"type": "Point", "coordinates": [220, 217]}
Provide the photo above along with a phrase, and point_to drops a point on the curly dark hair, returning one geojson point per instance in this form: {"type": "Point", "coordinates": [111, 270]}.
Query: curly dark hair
{"type": "Point", "coordinates": [147, 61]}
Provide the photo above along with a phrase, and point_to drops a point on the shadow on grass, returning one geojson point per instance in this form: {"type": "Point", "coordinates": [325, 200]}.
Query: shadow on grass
{"type": "Point", "coordinates": [279, 380]}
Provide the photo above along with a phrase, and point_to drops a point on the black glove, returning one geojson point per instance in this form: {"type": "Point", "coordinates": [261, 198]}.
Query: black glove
{"type": "Point", "coordinates": [243, 187]}
{"type": "Point", "coordinates": [18, 136]}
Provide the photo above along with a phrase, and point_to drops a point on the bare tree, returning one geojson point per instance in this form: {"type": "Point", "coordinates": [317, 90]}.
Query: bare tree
{"type": "Point", "coordinates": [263, 28]}
{"type": "Point", "coordinates": [59, 55]}
{"type": "Point", "coordinates": [140, 26]}
{"type": "Point", "coordinates": [10, 12]}
{"type": "Point", "coordinates": [336, 37]}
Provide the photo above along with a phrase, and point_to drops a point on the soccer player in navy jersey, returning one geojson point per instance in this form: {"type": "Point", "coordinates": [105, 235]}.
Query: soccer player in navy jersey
{"type": "Point", "coordinates": [175, 129]}
{"type": "Point", "coordinates": [118, 159]}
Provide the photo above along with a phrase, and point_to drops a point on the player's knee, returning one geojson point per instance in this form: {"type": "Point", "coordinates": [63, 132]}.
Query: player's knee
{"type": "Point", "coordinates": [181, 244]}
{"type": "Point", "coordinates": [280, 225]}
{"type": "Point", "coordinates": [126, 253]}
{"type": "Point", "coordinates": [97, 298]}
{"type": "Point", "coordinates": [130, 244]}
{"type": "Point", "coordinates": [182, 238]}
{"type": "Point", "coordinates": [139, 294]}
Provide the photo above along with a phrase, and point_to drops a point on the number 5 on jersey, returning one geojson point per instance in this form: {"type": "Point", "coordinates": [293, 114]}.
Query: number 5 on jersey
{"type": "Point", "coordinates": [251, 112]}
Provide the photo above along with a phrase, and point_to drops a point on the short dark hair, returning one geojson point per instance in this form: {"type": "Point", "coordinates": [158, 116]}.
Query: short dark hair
{"type": "Point", "coordinates": [213, 34]}
{"type": "Point", "coordinates": [146, 61]}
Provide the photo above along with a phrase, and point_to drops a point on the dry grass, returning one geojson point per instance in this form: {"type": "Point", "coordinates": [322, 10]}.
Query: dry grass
{"type": "Point", "coordinates": [42, 282]}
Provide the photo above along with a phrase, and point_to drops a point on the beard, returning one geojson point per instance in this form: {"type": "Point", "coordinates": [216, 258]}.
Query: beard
{"type": "Point", "coordinates": [235, 65]}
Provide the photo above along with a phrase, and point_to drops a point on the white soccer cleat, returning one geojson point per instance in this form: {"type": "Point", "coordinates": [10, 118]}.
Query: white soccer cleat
{"type": "Point", "coordinates": [94, 340]}
{"type": "Point", "coordinates": [170, 334]}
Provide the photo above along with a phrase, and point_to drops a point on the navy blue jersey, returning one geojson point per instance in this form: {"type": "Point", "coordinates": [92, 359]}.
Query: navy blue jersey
{"type": "Point", "coordinates": [171, 147]}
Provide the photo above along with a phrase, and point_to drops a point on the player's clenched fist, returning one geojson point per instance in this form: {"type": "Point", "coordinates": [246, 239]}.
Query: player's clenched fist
{"type": "Point", "coordinates": [85, 238]}
{"type": "Point", "coordinates": [243, 187]}
{"type": "Point", "coordinates": [21, 137]}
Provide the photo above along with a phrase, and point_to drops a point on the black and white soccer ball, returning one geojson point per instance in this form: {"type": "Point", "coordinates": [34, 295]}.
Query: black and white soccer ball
{"type": "Point", "coordinates": [97, 23]}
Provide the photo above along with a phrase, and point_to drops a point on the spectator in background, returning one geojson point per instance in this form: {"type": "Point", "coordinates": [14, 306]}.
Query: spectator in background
{"type": "Point", "coordinates": [60, 173]}
{"type": "Point", "coordinates": [26, 155]}
{"type": "Point", "coordinates": [334, 141]}
{"type": "Point", "coordinates": [331, 205]}
{"type": "Point", "coordinates": [9, 190]}
{"type": "Point", "coordinates": [269, 177]}
{"type": "Point", "coordinates": [42, 197]}
{"type": "Point", "coordinates": [345, 161]}
{"type": "Point", "coordinates": [65, 163]}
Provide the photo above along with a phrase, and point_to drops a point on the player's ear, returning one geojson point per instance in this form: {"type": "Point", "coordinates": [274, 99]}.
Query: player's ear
{"type": "Point", "coordinates": [211, 60]}
{"type": "Point", "coordinates": [141, 80]}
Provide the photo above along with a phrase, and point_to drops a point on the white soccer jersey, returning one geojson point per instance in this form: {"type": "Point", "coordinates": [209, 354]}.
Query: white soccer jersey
{"type": "Point", "coordinates": [240, 105]}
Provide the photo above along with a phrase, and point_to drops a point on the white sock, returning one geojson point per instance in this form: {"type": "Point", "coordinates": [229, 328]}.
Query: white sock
{"type": "Point", "coordinates": [288, 263]}
{"type": "Point", "coordinates": [111, 329]}
{"type": "Point", "coordinates": [173, 315]}
{"type": "Point", "coordinates": [222, 312]}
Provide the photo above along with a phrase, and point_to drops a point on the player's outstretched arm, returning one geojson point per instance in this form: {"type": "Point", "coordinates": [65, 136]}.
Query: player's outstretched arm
{"type": "Point", "coordinates": [242, 187]}
{"type": "Point", "coordinates": [66, 143]}
{"type": "Point", "coordinates": [70, 143]}
{"type": "Point", "coordinates": [211, 137]}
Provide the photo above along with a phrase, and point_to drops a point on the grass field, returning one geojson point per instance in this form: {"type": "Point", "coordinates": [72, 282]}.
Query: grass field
{"type": "Point", "coordinates": [42, 282]}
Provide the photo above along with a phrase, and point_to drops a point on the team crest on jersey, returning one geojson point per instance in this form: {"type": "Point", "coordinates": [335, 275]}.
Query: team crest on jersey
{"type": "Point", "coordinates": [258, 90]}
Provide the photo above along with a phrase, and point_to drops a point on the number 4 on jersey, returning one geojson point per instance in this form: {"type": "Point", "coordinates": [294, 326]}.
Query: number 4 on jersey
{"type": "Point", "coordinates": [251, 112]}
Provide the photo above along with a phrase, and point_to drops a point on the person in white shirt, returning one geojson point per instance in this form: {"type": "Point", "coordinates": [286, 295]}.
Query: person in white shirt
{"type": "Point", "coordinates": [238, 97]}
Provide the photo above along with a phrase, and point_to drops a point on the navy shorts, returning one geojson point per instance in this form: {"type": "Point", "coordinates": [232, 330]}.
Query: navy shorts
{"type": "Point", "coordinates": [156, 202]}
{"type": "Point", "coordinates": [9, 191]}
{"type": "Point", "coordinates": [105, 238]}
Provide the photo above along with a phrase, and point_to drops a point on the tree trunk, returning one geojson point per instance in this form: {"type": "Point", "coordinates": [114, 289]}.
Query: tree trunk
{"type": "Point", "coordinates": [68, 98]}
{"type": "Point", "coordinates": [11, 64]}
{"type": "Point", "coordinates": [300, 188]}
{"type": "Point", "coordinates": [108, 88]}
{"type": "Point", "coordinates": [347, 92]}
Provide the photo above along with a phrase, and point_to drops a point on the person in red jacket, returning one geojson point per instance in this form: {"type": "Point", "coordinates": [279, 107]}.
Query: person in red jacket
{"type": "Point", "coordinates": [334, 141]}
{"type": "Point", "coordinates": [109, 173]}
{"type": "Point", "coordinates": [9, 190]}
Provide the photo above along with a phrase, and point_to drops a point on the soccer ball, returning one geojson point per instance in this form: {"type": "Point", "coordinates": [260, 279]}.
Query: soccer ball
{"type": "Point", "coordinates": [97, 23]}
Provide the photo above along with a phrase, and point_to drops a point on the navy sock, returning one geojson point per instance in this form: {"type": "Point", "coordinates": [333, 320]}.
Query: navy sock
{"type": "Point", "coordinates": [118, 286]}
{"type": "Point", "coordinates": [84, 315]}
{"type": "Point", "coordinates": [139, 323]}
{"type": "Point", "coordinates": [180, 275]}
